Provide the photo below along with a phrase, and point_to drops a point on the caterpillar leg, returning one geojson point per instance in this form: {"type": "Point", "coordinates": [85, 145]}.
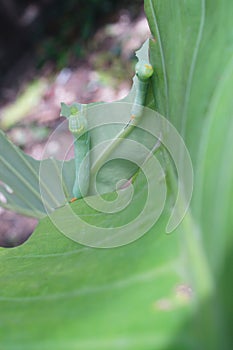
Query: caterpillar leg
{"type": "Point", "coordinates": [130, 121]}
{"type": "Point", "coordinates": [73, 200]}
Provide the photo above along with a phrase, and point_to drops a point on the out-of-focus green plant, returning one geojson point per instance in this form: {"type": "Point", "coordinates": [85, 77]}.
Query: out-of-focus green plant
{"type": "Point", "coordinates": [69, 24]}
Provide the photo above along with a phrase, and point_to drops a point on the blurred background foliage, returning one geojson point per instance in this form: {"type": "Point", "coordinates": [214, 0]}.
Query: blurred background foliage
{"type": "Point", "coordinates": [41, 38]}
{"type": "Point", "coordinates": [38, 39]}
{"type": "Point", "coordinates": [53, 51]}
{"type": "Point", "coordinates": [57, 30]}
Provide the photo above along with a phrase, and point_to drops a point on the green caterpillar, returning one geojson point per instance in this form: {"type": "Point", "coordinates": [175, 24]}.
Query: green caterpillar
{"type": "Point", "coordinates": [78, 126]}
{"type": "Point", "coordinates": [144, 72]}
{"type": "Point", "coordinates": [76, 114]}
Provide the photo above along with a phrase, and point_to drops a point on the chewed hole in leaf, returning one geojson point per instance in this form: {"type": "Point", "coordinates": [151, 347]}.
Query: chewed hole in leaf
{"type": "Point", "coordinates": [5, 191]}
{"type": "Point", "coordinates": [184, 293]}
{"type": "Point", "coordinates": [8, 189]}
{"type": "Point", "coordinates": [163, 304]}
{"type": "Point", "coordinates": [3, 198]}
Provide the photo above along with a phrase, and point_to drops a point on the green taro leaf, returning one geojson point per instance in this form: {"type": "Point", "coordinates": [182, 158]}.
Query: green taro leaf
{"type": "Point", "coordinates": [193, 54]}
{"type": "Point", "coordinates": [162, 291]}
{"type": "Point", "coordinates": [20, 183]}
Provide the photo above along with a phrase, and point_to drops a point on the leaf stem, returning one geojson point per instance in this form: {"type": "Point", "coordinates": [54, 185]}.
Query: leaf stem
{"type": "Point", "coordinates": [111, 147]}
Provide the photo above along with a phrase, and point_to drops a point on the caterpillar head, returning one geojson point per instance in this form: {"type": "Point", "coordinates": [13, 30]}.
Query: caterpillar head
{"type": "Point", "coordinates": [76, 117]}
{"type": "Point", "coordinates": [144, 70]}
